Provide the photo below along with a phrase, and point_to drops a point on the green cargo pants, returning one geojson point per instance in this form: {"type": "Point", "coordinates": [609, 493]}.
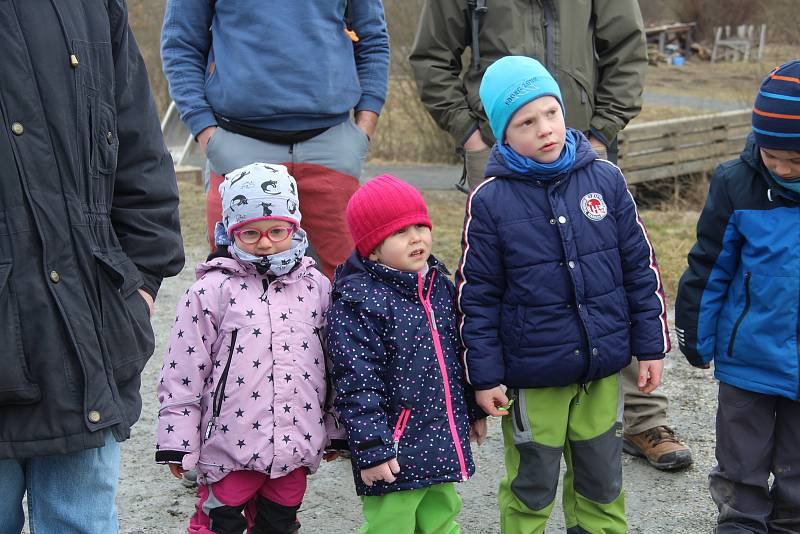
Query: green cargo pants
{"type": "Point", "coordinates": [586, 427]}
{"type": "Point", "coordinates": [430, 510]}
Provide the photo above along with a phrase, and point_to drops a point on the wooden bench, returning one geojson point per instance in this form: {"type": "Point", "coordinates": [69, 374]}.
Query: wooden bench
{"type": "Point", "coordinates": [664, 34]}
{"type": "Point", "coordinates": [677, 147]}
{"type": "Point", "coordinates": [739, 45]}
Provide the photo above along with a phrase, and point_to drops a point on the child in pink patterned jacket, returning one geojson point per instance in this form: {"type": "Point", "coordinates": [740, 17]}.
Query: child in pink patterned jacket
{"type": "Point", "coordinates": [243, 384]}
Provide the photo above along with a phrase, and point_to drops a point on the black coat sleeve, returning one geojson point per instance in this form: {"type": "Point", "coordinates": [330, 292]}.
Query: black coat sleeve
{"type": "Point", "coordinates": [144, 211]}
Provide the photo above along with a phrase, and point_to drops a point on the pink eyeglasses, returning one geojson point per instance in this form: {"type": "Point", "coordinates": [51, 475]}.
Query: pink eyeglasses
{"type": "Point", "coordinates": [276, 234]}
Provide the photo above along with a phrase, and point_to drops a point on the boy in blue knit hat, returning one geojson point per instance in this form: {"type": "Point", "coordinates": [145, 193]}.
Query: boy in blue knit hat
{"type": "Point", "coordinates": [738, 305]}
{"type": "Point", "coordinates": [558, 287]}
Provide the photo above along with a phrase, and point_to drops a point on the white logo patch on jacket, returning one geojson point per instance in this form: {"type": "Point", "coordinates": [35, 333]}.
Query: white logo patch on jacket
{"type": "Point", "coordinates": [594, 207]}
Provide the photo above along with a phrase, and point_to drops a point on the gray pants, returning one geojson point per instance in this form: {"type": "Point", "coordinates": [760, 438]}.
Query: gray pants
{"type": "Point", "coordinates": [642, 411]}
{"type": "Point", "coordinates": [757, 435]}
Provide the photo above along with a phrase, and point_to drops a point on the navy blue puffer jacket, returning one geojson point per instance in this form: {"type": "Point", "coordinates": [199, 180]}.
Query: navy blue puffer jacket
{"type": "Point", "coordinates": [395, 351]}
{"type": "Point", "coordinates": [558, 282]}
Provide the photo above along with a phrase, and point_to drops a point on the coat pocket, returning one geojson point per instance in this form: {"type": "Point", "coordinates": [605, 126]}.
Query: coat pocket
{"type": "Point", "coordinates": [127, 332]}
{"type": "Point", "coordinates": [16, 385]}
{"type": "Point", "coordinates": [742, 315]}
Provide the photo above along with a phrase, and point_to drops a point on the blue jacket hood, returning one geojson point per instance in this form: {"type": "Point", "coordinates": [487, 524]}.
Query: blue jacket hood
{"type": "Point", "coordinates": [751, 155]}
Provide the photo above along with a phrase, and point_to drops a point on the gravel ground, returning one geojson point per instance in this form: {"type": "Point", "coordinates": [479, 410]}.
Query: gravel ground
{"type": "Point", "coordinates": [151, 501]}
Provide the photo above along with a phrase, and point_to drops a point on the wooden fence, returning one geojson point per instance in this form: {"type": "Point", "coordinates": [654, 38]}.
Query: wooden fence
{"type": "Point", "coordinates": [676, 147]}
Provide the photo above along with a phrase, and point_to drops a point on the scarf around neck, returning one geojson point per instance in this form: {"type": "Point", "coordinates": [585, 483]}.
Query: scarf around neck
{"type": "Point", "coordinates": [526, 166]}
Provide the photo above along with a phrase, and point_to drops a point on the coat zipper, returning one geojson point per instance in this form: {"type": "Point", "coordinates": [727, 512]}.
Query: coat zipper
{"type": "Point", "coordinates": [516, 411]}
{"type": "Point", "coordinates": [741, 316]}
{"type": "Point", "coordinates": [219, 392]}
{"type": "Point", "coordinates": [437, 345]}
{"type": "Point", "coordinates": [400, 428]}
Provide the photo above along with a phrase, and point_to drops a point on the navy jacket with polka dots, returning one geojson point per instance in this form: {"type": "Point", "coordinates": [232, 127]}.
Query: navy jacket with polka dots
{"type": "Point", "coordinates": [398, 374]}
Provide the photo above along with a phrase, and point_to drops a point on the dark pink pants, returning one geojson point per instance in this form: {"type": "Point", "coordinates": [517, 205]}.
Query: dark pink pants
{"type": "Point", "coordinates": [241, 488]}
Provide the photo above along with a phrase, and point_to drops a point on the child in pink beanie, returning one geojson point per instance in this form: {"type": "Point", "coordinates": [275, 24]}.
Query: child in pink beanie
{"type": "Point", "coordinates": [396, 366]}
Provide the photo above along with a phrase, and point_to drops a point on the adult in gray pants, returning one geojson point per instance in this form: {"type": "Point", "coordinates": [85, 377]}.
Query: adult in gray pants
{"type": "Point", "coordinates": [597, 53]}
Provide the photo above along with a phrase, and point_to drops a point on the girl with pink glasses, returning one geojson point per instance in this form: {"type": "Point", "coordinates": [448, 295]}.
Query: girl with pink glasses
{"type": "Point", "coordinates": [243, 384]}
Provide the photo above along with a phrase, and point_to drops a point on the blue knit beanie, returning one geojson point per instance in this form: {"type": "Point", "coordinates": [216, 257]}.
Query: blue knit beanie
{"type": "Point", "coordinates": [776, 112]}
{"type": "Point", "coordinates": [511, 82]}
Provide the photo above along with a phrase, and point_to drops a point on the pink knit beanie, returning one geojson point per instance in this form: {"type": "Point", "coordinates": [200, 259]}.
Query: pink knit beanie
{"type": "Point", "coordinates": [381, 207]}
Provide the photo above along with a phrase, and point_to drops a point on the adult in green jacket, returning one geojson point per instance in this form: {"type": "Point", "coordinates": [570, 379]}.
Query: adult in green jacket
{"type": "Point", "coordinates": [597, 52]}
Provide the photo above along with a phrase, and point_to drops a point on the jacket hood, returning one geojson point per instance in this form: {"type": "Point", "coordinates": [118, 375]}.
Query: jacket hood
{"type": "Point", "coordinates": [349, 275]}
{"type": "Point", "coordinates": [242, 268]}
{"type": "Point", "coordinates": [752, 156]}
{"type": "Point", "coordinates": [584, 154]}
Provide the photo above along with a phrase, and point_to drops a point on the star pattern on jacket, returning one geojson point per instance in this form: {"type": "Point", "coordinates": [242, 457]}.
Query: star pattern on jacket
{"type": "Point", "coordinates": [222, 346]}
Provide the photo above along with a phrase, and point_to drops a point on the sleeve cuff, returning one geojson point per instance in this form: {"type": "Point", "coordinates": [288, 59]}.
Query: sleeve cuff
{"type": "Point", "coordinates": [152, 283]}
{"type": "Point", "coordinates": [170, 457]}
{"type": "Point", "coordinates": [370, 103]}
{"type": "Point", "coordinates": [371, 452]}
{"type": "Point", "coordinates": [199, 120]}
{"type": "Point", "coordinates": [605, 130]}
{"type": "Point", "coordinates": [649, 357]}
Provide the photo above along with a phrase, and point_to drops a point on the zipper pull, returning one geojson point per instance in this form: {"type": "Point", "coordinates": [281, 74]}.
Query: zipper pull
{"type": "Point", "coordinates": [209, 428]}
{"type": "Point", "coordinates": [433, 320]}
{"type": "Point", "coordinates": [396, 447]}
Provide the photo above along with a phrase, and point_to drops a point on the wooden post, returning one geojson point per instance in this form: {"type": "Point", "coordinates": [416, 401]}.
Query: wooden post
{"type": "Point", "coordinates": [761, 42]}
{"type": "Point", "coordinates": [717, 37]}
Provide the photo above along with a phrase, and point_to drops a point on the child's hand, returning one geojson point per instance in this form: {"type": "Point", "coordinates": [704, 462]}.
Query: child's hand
{"type": "Point", "coordinates": [478, 431]}
{"type": "Point", "coordinates": [385, 471]}
{"type": "Point", "coordinates": [176, 470]}
{"type": "Point", "coordinates": [650, 375]}
{"type": "Point", "coordinates": [490, 400]}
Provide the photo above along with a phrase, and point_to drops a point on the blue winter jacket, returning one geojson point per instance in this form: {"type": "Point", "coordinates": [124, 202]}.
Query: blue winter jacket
{"type": "Point", "coordinates": [558, 282]}
{"type": "Point", "coordinates": [396, 369]}
{"type": "Point", "coordinates": [738, 299]}
{"type": "Point", "coordinates": [282, 65]}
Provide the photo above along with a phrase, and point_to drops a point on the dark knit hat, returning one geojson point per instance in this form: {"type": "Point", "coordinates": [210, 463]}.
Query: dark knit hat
{"type": "Point", "coordinates": [381, 207]}
{"type": "Point", "coordinates": [776, 112]}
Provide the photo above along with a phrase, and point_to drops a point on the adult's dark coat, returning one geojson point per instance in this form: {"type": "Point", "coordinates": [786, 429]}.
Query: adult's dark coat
{"type": "Point", "coordinates": [88, 214]}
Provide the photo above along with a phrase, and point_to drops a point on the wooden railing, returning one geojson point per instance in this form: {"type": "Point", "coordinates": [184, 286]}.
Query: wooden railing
{"type": "Point", "coordinates": [676, 147]}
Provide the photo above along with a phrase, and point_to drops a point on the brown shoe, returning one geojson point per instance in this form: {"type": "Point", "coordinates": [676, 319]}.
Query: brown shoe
{"type": "Point", "coordinates": [659, 447]}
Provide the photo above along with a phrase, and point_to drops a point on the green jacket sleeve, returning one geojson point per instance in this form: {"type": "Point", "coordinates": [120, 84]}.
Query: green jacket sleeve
{"type": "Point", "coordinates": [621, 61]}
{"type": "Point", "coordinates": [435, 58]}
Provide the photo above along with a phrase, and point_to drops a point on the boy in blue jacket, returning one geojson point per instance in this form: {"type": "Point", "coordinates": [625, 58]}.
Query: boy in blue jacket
{"type": "Point", "coordinates": [738, 305]}
{"type": "Point", "coordinates": [396, 367]}
{"type": "Point", "coordinates": [558, 287]}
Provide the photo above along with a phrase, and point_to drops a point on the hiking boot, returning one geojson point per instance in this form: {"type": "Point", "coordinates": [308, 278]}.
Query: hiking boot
{"type": "Point", "coordinates": [659, 447]}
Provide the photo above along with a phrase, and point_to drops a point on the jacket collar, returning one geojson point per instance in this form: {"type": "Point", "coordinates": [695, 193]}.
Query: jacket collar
{"type": "Point", "coordinates": [752, 156]}
{"type": "Point", "coordinates": [351, 275]}
{"type": "Point", "coordinates": [242, 268]}
{"type": "Point", "coordinates": [584, 155]}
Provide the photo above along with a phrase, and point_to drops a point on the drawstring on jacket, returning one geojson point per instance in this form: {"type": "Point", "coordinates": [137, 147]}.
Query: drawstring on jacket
{"type": "Point", "coordinates": [73, 59]}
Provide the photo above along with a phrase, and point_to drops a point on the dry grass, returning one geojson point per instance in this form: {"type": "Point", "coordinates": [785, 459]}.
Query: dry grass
{"type": "Point", "coordinates": [728, 81]}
